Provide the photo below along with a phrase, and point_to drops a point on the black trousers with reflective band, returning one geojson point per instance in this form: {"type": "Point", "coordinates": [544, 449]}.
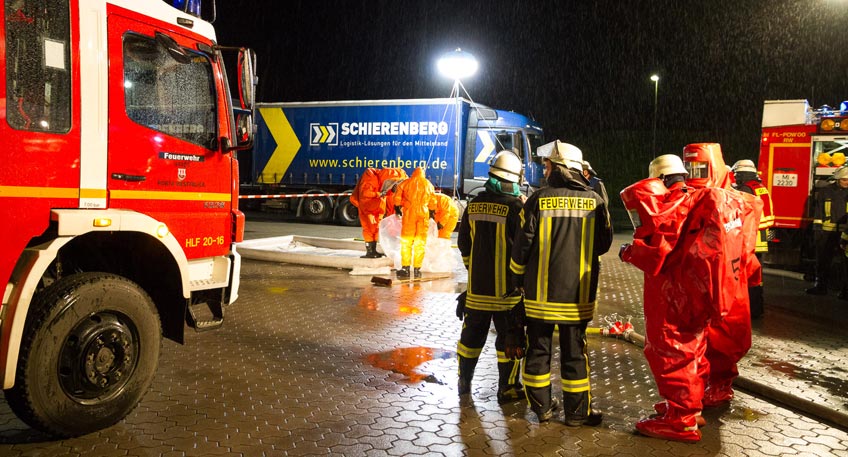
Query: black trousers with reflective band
{"type": "Point", "coordinates": [475, 330]}
{"type": "Point", "coordinates": [574, 367]}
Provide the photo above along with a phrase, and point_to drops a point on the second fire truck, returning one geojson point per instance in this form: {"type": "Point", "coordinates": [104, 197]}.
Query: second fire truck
{"type": "Point", "coordinates": [800, 148]}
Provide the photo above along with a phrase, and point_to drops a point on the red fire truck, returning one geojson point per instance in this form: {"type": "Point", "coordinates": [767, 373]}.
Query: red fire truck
{"type": "Point", "coordinates": [119, 192]}
{"type": "Point", "coordinates": [800, 148]}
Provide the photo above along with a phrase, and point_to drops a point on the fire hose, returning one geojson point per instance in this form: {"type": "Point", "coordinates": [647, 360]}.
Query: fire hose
{"type": "Point", "coordinates": [624, 330]}
{"type": "Point", "coordinates": [618, 329]}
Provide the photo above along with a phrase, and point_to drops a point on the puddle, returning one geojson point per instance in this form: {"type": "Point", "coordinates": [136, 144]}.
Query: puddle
{"type": "Point", "coordinates": [745, 414]}
{"type": "Point", "coordinates": [406, 361]}
{"type": "Point", "coordinates": [834, 385]}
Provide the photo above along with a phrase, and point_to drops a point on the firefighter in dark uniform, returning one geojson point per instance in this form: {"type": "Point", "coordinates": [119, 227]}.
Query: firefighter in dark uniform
{"type": "Point", "coordinates": [565, 228]}
{"type": "Point", "coordinates": [829, 221]}
{"type": "Point", "coordinates": [747, 180]}
{"type": "Point", "coordinates": [485, 242]}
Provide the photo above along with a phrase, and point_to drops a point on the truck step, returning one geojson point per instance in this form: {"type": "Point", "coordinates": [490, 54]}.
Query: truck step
{"type": "Point", "coordinates": [205, 316]}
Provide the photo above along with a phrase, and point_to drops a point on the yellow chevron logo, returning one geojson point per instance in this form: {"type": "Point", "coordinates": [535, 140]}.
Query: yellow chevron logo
{"type": "Point", "coordinates": [324, 134]}
{"type": "Point", "coordinates": [287, 145]}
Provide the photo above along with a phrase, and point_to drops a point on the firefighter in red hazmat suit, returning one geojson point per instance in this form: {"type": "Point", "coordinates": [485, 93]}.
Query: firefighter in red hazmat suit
{"type": "Point", "coordinates": [367, 198]}
{"type": "Point", "coordinates": [411, 200]}
{"type": "Point", "coordinates": [658, 207]}
{"type": "Point", "coordinates": [729, 332]}
{"type": "Point", "coordinates": [445, 213]}
{"type": "Point", "coordinates": [704, 249]}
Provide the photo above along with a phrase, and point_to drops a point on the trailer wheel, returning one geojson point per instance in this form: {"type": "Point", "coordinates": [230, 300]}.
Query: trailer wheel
{"type": "Point", "coordinates": [347, 213]}
{"type": "Point", "coordinates": [88, 354]}
{"type": "Point", "coordinates": [317, 209]}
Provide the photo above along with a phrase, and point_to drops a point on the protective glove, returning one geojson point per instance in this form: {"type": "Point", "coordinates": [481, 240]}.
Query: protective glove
{"type": "Point", "coordinates": [515, 343]}
{"type": "Point", "coordinates": [382, 194]}
{"type": "Point", "coordinates": [398, 211]}
{"type": "Point", "coordinates": [460, 305]}
{"type": "Point", "coordinates": [843, 244]}
{"type": "Point", "coordinates": [621, 251]}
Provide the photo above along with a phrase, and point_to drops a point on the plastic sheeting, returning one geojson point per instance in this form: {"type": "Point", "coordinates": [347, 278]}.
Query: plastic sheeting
{"type": "Point", "coordinates": [438, 255]}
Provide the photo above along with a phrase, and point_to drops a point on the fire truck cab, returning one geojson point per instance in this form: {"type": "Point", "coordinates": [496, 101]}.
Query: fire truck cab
{"type": "Point", "coordinates": [119, 192]}
{"type": "Point", "coordinates": [800, 148]}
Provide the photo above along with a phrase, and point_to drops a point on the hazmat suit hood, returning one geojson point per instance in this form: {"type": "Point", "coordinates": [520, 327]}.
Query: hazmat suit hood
{"type": "Point", "coordinates": [706, 167]}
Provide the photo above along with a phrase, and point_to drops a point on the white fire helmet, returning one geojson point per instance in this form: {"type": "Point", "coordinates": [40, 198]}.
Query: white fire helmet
{"type": "Point", "coordinates": [744, 165]}
{"type": "Point", "coordinates": [506, 166]}
{"type": "Point", "coordinates": [841, 172]}
{"type": "Point", "coordinates": [561, 153]}
{"type": "Point", "coordinates": [666, 164]}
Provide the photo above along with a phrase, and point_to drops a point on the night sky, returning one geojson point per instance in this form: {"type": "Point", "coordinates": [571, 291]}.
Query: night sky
{"type": "Point", "coordinates": [580, 68]}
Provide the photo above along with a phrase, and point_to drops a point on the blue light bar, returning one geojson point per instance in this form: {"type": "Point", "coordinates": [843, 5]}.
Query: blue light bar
{"type": "Point", "coordinates": [189, 6]}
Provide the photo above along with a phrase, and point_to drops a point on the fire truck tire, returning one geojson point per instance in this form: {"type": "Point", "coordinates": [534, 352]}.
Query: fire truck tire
{"type": "Point", "coordinates": [347, 214]}
{"type": "Point", "coordinates": [88, 355]}
{"type": "Point", "coordinates": [317, 209]}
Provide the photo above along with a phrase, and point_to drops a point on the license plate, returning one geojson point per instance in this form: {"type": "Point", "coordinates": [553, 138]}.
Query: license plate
{"type": "Point", "coordinates": [785, 180]}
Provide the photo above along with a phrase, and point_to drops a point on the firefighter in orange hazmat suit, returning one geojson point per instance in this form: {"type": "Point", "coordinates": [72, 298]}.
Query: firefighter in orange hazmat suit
{"type": "Point", "coordinates": [411, 201]}
{"type": "Point", "coordinates": [445, 213]}
{"type": "Point", "coordinates": [367, 198]}
{"type": "Point", "coordinates": [390, 177]}
{"type": "Point", "coordinates": [702, 252]}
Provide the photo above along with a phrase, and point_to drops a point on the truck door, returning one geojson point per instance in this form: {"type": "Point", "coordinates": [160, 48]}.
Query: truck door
{"type": "Point", "coordinates": [164, 117]}
{"type": "Point", "coordinates": [41, 146]}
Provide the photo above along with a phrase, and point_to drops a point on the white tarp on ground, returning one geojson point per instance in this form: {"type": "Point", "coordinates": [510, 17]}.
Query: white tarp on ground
{"type": "Point", "coordinates": [315, 251]}
{"type": "Point", "coordinates": [439, 255]}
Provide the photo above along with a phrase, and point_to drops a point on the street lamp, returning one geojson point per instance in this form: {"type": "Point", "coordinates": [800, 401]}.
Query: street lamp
{"type": "Point", "coordinates": [656, 79]}
{"type": "Point", "coordinates": [457, 65]}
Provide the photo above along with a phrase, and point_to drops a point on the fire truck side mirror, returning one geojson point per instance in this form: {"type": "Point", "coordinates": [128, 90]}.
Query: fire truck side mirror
{"type": "Point", "coordinates": [246, 78]}
{"type": "Point", "coordinates": [244, 131]}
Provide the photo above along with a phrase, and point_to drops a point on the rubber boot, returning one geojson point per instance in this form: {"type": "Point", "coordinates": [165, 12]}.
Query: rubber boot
{"type": "Point", "coordinates": [669, 427]}
{"type": "Point", "coordinates": [819, 288]}
{"type": "Point", "coordinates": [403, 272]}
{"type": "Point", "coordinates": [716, 395]}
{"type": "Point", "coordinates": [549, 414]}
{"type": "Point", "coordinates": [417, 272]}
{"type": "Point", "coordinates": [369, 250]}
{"type": "Point", "coordinates": [662, 407]}
{"type": "Point", "coordinates": [466, 373]}
{"type": "Point", "coordinates": [575, 411]}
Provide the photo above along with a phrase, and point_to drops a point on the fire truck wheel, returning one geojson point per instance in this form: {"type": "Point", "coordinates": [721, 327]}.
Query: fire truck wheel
{"type": "Point", "coordinates": [317, 209]}
{"type": "Point", "coordinates": [88, 355]}
{"type": "Point", "coordinates": [347, 214]}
